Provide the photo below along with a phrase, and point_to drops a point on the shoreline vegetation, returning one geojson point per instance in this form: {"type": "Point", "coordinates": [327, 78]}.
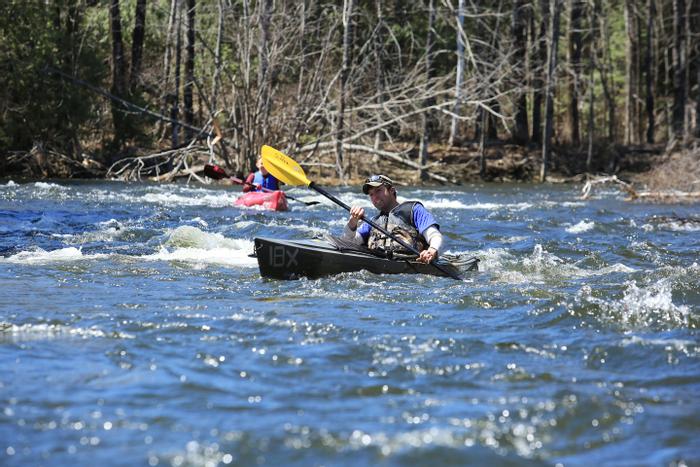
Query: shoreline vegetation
{"type": "Point", "coordinates": [433, 93]}
{"type": "Point", "coordinates": [644, 172]}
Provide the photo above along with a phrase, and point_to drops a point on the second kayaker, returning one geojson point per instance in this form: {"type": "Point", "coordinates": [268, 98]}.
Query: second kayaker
{"type": "Point", "coordinates": [260, 179]}
{"type": "Point", "coordinates": [409, 221]}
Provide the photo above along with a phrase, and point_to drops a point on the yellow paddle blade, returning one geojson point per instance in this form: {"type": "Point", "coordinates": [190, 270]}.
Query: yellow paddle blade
{"type": "Point", "coordinates": [283, 168]}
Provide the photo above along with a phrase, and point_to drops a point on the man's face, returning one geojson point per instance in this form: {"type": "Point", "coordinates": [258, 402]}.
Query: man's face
{"type": "Point", "coordinates": [382, 197]}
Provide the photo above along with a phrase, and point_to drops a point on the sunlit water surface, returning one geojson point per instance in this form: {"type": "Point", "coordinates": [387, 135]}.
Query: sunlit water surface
{"type": "Point", "coordinates": [136, 330]}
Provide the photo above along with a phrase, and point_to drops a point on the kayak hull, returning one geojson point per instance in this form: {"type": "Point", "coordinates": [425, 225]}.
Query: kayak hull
{"type": "Point", "coordinates": [272, 200]}
{"type": "Point", "coordinates": [292, 259]}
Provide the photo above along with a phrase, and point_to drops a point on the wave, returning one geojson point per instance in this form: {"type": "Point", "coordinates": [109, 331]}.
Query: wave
{"type": "Point", "coordinates": [40, 256]}
{"type": "Point", "coordinates": [640, 306]}
{"type": "Point", "coordinates": [25, 332]}
{"type": "Point", "coordinates": [581, 227]}
{"type": "Point", "coordinates": [190, 244]}
{"type": "Point", "coordinates": [540, 266]}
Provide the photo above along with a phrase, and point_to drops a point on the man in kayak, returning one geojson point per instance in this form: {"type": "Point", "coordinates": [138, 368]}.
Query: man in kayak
{"type": "Point", "coordinates": [409, 221]}
{"type": "Point", "coordinates": [260, 179]}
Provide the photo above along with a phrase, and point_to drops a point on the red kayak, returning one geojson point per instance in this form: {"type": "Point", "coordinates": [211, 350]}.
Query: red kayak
{"type": "Point", "coordinates": [273, 200]}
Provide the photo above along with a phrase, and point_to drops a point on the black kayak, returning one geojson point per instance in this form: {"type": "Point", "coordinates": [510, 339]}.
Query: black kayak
{"type": "Point", "coordinates": [292, 259]}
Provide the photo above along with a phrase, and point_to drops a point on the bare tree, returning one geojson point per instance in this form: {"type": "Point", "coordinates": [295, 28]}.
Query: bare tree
{"type": "Point", "coordinates": [379, 38]}
{"type": "Point", "coordinates": [348, 10]}
{"type": "Point", "coordinates": [427, 120]}
{"type": "Point", "coordinates": [648, 70]}
{"type": "Point", "coordinates": [539, 59]}
{"type": "Point", "coordinates": [189, 69]}
{"type": "Point", "coordinates": [174, 96]}
{"type": "Point", "coordinates": [551, 77]}
{"type": "Point", "coordinates": [137, 43]}
{"type": "Point", "coordinates": [680, 94]}
{"type": "Point", "coordinates": [630, 72]}
{"type": "Point", "coordinates": [460, 71]}
{"type": "Point", "coordinates": [118, 71]}
{"type": "Point", "coordinates": [216, 78]}
{"type": "Point", "coordinates": [519, 41]}
{"type": "Point", "coordinates": [575, 49]}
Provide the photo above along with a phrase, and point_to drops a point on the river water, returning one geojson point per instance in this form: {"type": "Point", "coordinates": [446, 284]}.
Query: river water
{"type": "Point", "coordinates": [136, 330]}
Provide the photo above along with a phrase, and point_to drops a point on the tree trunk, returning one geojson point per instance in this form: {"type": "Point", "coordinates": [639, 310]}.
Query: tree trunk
{"type": "Point", "coordinates": [539, 60]}
{"type": "Point", "coordinates": [216, 78]}
{"type": "Point", "coordinates": [264, 77]}
{"type": "Point", "coordinates": [648, 70]}
{"type": "Point", "coordinates": [630, 73]}
{"type": "Point", "coordinates": [551, 83]}
{"type": "Point", "coordinates": [482, 144]}
{"type": "Point", "coordinates": [520, 133]}
{"type": "Point", "coordinates": [591, 117]}
{"type": "Point", "coordinates": [137, 43]}
{"type": "Point", "coordinates": [427, 117]}
{"type": "Point", "coordinates": [348, 10]}
{"type": "Point", "coordinates": [175, 95]}
{"type": "Point", "coordinates": [379, 59]}
{"type": "Point", "coordinates": [460, 72]}
{"type": "Point", "coordinates": [575, 47]}
{"type": "Point", "coordinates": [118, 87]}
{"type": "Point", "coordinates": [680, 92]}
{"type": "Point", "coordinates": [189, 70]}
{"type": "Point", "coordinates": [604, 67]}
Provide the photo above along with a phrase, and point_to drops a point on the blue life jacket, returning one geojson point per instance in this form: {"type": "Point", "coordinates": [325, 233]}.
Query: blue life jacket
{"type": "Point", "coordinates": [267, 181]}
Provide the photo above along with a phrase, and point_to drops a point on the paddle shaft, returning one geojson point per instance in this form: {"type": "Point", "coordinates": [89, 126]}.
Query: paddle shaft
{"type": "Point", "coordinates": [410, 248]}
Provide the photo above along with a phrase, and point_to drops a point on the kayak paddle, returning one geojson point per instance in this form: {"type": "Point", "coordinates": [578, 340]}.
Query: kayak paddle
{"type": "Point", "coordinates": [217, 173]}
{"type": "Point", "coordinates": [286, 169]}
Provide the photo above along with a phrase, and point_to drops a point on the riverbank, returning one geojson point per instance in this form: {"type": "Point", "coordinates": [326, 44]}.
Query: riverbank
{"type": "Point", "coordinates": [647, 167]}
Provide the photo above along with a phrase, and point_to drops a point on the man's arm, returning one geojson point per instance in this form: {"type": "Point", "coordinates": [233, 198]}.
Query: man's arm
{"type": "Point", "coordinates": [434, 238]}
{"type": "Point", "coordinates": [352, 232]}
{"type": "Point", "coordinates": [430, 230]}
{"type": "Point", "coordinates": [249, 183]}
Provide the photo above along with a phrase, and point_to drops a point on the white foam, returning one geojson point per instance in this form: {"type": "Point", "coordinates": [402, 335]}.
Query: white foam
{"type": "Point", "coordinates": [172, 199]}
{"type": "Point", "coordinates": [51, 331]}
{"type": "Point", "coordinates": [561, 204]}
{"type": "Point", "coordinates": [49, 186]}
{"type": "Point", "coordinates": [225, 256]}
{"type": "Point", "coordinates": [10, 183]}
{"type": "Point", "coordinates": [642, 306]}
{"type": "Point", "coordinates": [200, 221]}
{"type": "Point", "coordinates": [680, 345]}
{"type": "Point", "coordinates": [581, 227]}
{"type": "Point", "coordinates": [678, 226]}
{"type": "Point", "coordinates": [514, 239]}
{"type": "Point", "coordinates": [498, 206]}
{"type": "Point", "coordinates": [617, 267]}
{"type": "Point", "coordinates": [443, 203]}
{"type": "Point", "coordinates": [109, 231]}
{"type": "Point", "coordinates": [40, 256]}
{"type": "Point", "coordinates": [192, 245]}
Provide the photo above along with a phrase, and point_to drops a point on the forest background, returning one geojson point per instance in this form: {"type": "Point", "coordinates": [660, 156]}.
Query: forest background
{"type": "Point", "coordinates": [432, 90]}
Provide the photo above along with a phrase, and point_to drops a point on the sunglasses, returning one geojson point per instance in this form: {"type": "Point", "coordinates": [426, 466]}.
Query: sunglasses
{"type": "Point", "coordinates": [379, 178]}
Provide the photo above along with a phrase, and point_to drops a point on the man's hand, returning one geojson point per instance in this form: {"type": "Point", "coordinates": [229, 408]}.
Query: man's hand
{"type": "Point", "coordinates": [356, 213]}
{"type": "Point", "coordinates": [428, 256]}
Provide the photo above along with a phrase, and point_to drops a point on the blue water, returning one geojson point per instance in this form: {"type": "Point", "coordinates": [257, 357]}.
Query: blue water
{"type": "Point", "coordinates": [135, 330]}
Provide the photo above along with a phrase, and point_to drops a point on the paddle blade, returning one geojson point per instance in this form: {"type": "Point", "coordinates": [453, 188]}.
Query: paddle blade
{"type": "Point", "coordinates": [283, 167]}
{"type": "Point", "coordinates": [215, 172]}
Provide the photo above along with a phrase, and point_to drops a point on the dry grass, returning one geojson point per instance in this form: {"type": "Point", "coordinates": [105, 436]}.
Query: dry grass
{"type": "Point", "coordinates": [680, 171]}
